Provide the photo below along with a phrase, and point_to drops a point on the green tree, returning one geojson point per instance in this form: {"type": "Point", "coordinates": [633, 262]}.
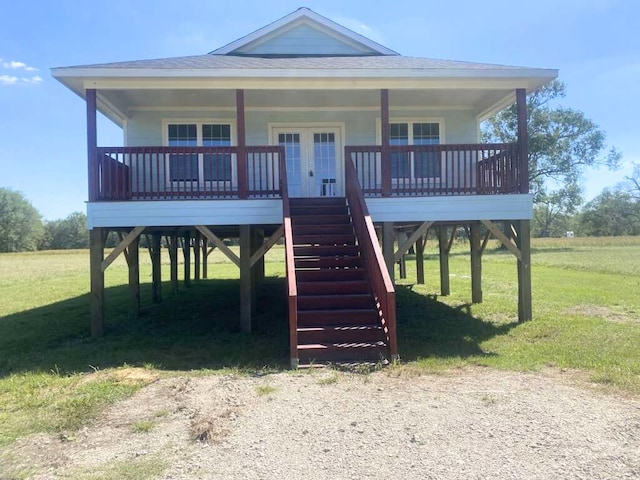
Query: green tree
{"type": "Point", "coordinates": [20, 223]}
{"type": "Point", "coordinates": [611, 213]}
{"type": "Point", "coordinates": [69, 232]}
{"type": "Point", "coordinates": [562, 142]}
{"type": "Point", "coordinates": [553, 213]}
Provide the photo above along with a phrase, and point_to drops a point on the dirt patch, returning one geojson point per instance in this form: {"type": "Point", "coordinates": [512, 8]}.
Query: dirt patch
{"type": "Point", "coordinates": [466, 423]}
{"type": "Point", "coordinates": [604, 313]}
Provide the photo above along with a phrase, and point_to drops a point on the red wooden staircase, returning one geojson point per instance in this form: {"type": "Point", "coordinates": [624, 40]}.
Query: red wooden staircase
{"type": "Point", "coordinates": [337, 313]}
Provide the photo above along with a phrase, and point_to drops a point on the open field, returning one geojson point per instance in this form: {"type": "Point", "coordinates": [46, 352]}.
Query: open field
{"type": "Point", "coordinates": [55, 378]}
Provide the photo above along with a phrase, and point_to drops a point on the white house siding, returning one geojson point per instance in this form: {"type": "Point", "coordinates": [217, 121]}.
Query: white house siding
{"type": "Point", "coordinates": [301, 40]}
{"type": "Point", "coordinates": [269, 211]}
{"type": "Point", "coordinates": [451, 208]}
{"type": "Point", "coordinates": [184, 212]}
{"type": "Point", "coordinates": [145, 128]}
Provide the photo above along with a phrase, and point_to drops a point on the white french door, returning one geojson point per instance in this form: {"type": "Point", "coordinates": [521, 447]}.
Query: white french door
{"type": "Point", "coordinates": [313, 156]}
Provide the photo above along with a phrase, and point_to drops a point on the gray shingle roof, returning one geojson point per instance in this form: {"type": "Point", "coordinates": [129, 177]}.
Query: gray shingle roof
{"type": "Point", "coordinates": [230, 62]}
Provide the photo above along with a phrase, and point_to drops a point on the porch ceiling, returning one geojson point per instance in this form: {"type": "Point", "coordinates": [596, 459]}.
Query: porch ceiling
{"type": "Point", "coordinates": [126, 102]}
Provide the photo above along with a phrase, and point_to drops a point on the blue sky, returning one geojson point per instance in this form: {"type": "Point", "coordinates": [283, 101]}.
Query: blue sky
{"type": "Point", "coordinates": [594, 43]}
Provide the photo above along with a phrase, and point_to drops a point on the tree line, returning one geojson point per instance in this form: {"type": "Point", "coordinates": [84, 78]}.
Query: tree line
{"type": "Point", "coordinates": [23, 229]}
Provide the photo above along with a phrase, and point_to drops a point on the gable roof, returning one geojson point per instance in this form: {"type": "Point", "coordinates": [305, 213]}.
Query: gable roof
{"type": "Point", "coordinates": [335, 34]}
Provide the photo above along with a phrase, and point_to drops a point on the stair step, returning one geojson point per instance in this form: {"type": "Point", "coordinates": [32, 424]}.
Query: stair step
{"type": "Point", "coordinates": [326, 250]}
{"type": "Point", "coordinates": [330, 302]}
{"type": "Point", "coordinates": [315, 201]}
{"type": "Point", "coordinates": [340, 229]}
{"type": "Point", "coordinates": [327, 288]}
{"type": "Point", "coordinates": [338, 317]}
{"type": "Point", "coordinates": [357, 351]}
{"type": "Point", "coordinates": [330, 275]}
{"type": "Point", "coordinates": [339, 334]}
{"type": "Point", "coordinates": [328, 262]}
{"type": "Point", "coordinates": [329, 239]}
{"type": "Point", "coordinates": [318, 210]}
{"type": "Point", "coordinates": [321, 220]}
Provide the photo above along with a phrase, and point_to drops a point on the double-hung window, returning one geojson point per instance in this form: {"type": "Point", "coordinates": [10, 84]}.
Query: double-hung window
{"type": "Point", "coordinates": [420, 164]}
{"type": "Point", "coordinates": [199, 167]}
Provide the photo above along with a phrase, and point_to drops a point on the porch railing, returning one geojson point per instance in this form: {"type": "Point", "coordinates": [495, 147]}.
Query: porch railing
{"type": "Point", "coordinates": [378, 275]}
{"type": "Point", "coordinates": [165, 173]}
{"type": "Point", "coordinates": [426, 170]}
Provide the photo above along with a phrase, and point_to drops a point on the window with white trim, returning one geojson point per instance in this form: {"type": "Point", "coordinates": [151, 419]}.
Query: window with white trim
{"type": "Point", "coordinates": [210, 167]}
{"type": "Point", "coordinates": [419, 164]}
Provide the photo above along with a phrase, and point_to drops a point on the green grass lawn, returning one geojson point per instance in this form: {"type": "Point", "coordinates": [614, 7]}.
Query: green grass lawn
{"type": "Point", "coordinates": [54, 376]}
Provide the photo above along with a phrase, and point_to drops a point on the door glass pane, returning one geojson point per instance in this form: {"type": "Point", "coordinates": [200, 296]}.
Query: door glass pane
{"type": "Point", "coordinates": [291, 144]}
{"type": "Point", "coordinates": [324, 162]}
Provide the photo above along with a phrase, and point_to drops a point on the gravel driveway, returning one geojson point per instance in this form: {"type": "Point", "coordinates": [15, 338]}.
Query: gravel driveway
{"type": "Point", "coordinates": [469, 423]}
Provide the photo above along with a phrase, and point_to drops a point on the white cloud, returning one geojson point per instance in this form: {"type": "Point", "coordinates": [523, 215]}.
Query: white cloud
{"type": "Point", "coordinates": [13, 79]}
{"type": "Point", "coordinates": [9, 80]}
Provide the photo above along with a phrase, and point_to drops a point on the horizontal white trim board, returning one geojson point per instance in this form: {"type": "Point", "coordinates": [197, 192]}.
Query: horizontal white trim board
{"type": "Point", "coordinates": [176, 213]}
{"type": "Point", "coordinates": [454, 208]}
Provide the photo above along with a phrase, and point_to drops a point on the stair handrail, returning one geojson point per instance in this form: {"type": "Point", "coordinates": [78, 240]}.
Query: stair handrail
{"type": "Point", "coordinates": [292, 289]}
{"type": "Point", "coordinates": [378, 275]}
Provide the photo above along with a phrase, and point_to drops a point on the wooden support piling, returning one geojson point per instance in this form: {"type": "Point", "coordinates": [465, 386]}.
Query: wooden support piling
{"type": "Point", "coordinates": [444, 249]}
{"type": "Point", "coordinates": [523, 240]}
{"type": "Point", "coordinates": [205, 257]}
{"type": "Point", "coordinates": [133, 261]}
{"type": "Point", "coordinates": [156, 274]}
{"type": "Point", "coordinates": [475, 239]}
{"type": "Point", "coordinates": [196, 255]}
{"type": "Point", "coordinates": [96, 255]}
{"type": "Point", "coordinates": [388, 239]}
{"type": "Point", "coordinates": [186, 252]}
{"type": "Point", "coordinates": [173, 259]}
{"type": "Point", "coordinates": [246, 294]}
{"type": "Point", "coordinates": [420, 244]}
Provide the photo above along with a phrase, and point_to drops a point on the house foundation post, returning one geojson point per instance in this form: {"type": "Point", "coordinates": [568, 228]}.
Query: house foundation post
{"type": "Point", "coordinates": [156, 273]}
{"type": "Point", "coordinates": [420, 244]}
{"type": "Point", "coordinates": [443, 247]}
{"type": "Point", "coordinates": [133, 260]}
{"type": "Point", "coordinates": [523, 242]}
{"type": "Point", "coordinates": [196, 256]}
{"type": "Point", "coordinates": [186, 252]}
{"type": "Point", "coordinates": [205, 257]}
{"type": "Point", "coordinates": [173, 260]}
{"type": "Point", "coordinates": [388, 240]}
{"type": "Point", "coordinates": [402, 264]}
{"type": "Point", "coordinates": [96, 256]}
{"type": "Point", "coordinates": [246, 290]}
{"type": "Point", "coordinates": [476, 262]}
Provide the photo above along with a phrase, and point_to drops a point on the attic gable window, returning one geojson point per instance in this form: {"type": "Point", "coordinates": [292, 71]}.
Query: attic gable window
{"type": "Point", "coordinates": [209, 167]}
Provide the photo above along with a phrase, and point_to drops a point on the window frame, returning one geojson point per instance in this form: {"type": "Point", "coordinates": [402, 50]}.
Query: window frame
{"type": "Point", "coordinates": [200, 181]}
{"type": "Point", "coordinates": [412, 179]}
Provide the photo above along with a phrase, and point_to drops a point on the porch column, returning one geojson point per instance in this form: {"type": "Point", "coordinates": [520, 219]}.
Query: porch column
{"type": "Point", "coordinates": [96, 256]}
{"type": "Point", "coordinates": [476, 263]}
{"type": "Point", "coordinates": [243, 177]}
{"type": "Point", "coordinates": [523, 138]}
{"type": "Point", "coordinates": [92, 144]}
{"type": "Point", "coordinates": [385, 167]}
{"type": "Point", "coordinates": [246, 281]}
